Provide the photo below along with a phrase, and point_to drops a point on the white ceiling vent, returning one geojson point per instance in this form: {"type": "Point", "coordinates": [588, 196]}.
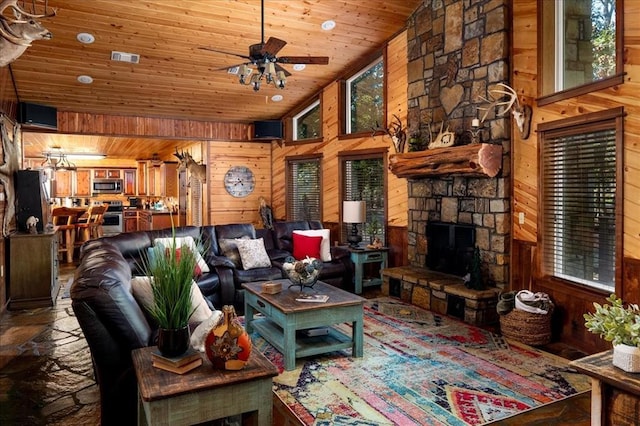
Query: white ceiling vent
{"type": "Point", "coordinates": [131, 58]}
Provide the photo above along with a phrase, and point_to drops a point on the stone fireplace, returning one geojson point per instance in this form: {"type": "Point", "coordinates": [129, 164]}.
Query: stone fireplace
{"type": "Point", "coordinates": [458, 51]}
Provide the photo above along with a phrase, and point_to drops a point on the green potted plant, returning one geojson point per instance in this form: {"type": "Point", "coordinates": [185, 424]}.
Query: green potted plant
{"type": "Point", "coordinates": [620, 325]}
{"type": "Point", "coordinates": [171, 270]}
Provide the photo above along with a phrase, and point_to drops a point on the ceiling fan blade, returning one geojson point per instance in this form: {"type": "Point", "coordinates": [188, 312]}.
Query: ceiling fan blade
{"type": "Point", "coordinates": [316, 60]}
{"type": "Point", "coordinates": [279, 68]}
{"type": "Point", "coordinates": [226, 53]}
{"type": "Point", "coordinates": [273, 46]}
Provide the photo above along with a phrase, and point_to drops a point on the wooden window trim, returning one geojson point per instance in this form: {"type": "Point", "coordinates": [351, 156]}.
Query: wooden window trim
{"type": "Point", "coordinates": [588, 122]}
{"type": "Point", "coordinates": [300, 158]}
{"type": "Point", "coordinates": [288, 122]}
{"type": "Point", "coordinates": [342, 102]}
{"type": "Point", "coordinates": [594, 86]}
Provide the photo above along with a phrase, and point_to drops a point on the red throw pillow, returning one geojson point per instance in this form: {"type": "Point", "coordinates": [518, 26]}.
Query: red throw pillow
{"type": "Point", "coordinates": [196, 270]}
{"type": "Point", "coordinates": [304, 246]}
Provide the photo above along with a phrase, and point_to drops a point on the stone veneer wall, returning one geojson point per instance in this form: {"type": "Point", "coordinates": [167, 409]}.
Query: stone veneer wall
{"type": "Point", "coordinates": [458, 50]}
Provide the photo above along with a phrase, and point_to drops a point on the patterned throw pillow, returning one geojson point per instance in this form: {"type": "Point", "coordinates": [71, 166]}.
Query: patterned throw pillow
{"type": "Point", "coordinates": [253, 254]}
{"type": "Point", "coordinates": [229, 250]}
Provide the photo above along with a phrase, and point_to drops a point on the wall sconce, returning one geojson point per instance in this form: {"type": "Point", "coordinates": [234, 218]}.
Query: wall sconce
{"type": "Point", "coordinates": [354, 212]}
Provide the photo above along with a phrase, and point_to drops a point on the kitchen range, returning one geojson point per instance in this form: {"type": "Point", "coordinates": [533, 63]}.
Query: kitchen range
{"type": "Point", "coordinates": [112, 219]}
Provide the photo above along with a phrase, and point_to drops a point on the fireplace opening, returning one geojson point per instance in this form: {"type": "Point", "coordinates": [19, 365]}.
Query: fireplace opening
{"type": "Point", "coordinates": [450, 247]}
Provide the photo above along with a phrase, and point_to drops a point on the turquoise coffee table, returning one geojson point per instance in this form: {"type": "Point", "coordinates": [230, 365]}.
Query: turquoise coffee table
{"type": "Point", "coordinates": [282, 316]}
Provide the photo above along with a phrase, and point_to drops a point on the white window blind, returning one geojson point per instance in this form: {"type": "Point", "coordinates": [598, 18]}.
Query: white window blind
{"type": "Point", "coordinates": [303, 189]}
{"type": "Point", "coordinates": [579, 204]}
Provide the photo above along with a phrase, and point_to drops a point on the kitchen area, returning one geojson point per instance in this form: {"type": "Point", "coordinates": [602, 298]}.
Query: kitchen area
{"type": "Point", "coordinates": [142, 198]}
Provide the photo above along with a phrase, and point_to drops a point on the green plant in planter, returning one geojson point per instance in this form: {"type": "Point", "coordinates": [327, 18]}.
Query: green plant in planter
{"type": "Point", "coordinates": [171, 271]}
{"type": "Point", "coordinates": [614, 322]}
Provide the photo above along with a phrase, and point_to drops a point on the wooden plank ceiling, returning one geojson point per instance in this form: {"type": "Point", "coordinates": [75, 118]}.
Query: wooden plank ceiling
{"type": "Point", "coordinates": [177, 79]}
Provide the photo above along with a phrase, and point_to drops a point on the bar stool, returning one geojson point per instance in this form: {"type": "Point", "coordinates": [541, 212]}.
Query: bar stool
{"type": "Point", "coordinates": [92, 228]}
{"type": "Point", "coordinates": [63, 218]}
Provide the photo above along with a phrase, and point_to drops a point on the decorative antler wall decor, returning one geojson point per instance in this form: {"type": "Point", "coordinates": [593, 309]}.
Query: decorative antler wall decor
{"type": "Point", "coordinates": [443, 139]}
{"type": "Point", "coordinates": [521, 113]}
{"type": "Point", "coordinates": [17, 32]}
{"type": "Point", "coordinates": [398, 134]}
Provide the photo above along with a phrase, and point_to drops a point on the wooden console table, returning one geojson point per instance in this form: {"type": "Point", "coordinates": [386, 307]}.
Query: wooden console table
{"type": "Point", "coordinates": [615, 395]}
{"type": "Point", "coordinates": [204, 394]}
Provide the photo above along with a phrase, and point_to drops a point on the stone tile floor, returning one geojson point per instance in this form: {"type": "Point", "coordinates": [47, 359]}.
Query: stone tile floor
{"type": "Point", "coordinates": [46, 376]}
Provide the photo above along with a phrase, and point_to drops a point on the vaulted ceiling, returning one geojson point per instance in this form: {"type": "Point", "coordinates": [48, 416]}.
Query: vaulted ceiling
{"type": "Point", "coordinates": [175, 77]}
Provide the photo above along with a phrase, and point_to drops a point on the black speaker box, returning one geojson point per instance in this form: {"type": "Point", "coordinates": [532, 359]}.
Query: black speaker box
{"type": "Point", "coordinates": [31, 199]}
{"type": "Point", "coordinates": [38, 115]}
{"type": "Point", "coordinates": [270, 129]}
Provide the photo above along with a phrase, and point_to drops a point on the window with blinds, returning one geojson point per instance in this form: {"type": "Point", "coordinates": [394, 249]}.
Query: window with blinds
{"type": "Point", "coordinates": [303, 189]}
{"type": "Point", "coordinates": [364, 180]}
{"type": "Point", "coordinates": [580, 191]}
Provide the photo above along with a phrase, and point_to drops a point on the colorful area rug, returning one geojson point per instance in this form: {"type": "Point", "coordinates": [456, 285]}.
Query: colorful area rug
{"type": "Point", "coordinates": [420, 368]}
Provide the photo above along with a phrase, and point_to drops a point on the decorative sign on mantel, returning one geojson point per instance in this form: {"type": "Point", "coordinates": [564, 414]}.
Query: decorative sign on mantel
{"type": "Point", "coordinates": [480, 159]}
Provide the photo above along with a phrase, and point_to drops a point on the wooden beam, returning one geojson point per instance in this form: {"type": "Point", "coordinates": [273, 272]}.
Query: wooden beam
{"type": "Point", "coordinates": [469, 160]}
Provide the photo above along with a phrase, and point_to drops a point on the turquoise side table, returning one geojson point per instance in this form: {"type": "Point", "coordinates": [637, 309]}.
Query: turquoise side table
{"type": "Point", "coordinates": [363, 256]}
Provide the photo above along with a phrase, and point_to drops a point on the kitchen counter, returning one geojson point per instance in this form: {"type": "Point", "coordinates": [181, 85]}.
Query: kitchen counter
{"type": "Point", "coordinates": [150, 219]}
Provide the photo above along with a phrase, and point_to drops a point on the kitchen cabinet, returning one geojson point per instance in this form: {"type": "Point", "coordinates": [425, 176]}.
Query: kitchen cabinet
{"type": "Point", "coordinates": [142, 178]}
{"type": "Point", "coordinates": [149, 220]}
{"type": "Point", "coordinates": [129, 181]}
{"type": "Point", "coordinates": [83, 183]}
{"type": "Point", "coordinates": [130, 220]}
{"type": "Point", "coordinates": [144, 221]}
{"type": "Point", "coordinates": [162, 179]}
{"type": "Point", "coordinates": [61, 186]}
{"type": "Point", "coordinates": [106, 174]}
{"type": "Point", "coordinates": [33, 270]}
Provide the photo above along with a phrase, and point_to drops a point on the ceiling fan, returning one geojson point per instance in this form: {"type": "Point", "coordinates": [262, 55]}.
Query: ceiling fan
{"type": "Point", "coordinates": [264, 57]}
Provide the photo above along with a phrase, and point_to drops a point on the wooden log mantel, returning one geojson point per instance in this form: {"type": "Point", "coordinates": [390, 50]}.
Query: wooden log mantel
{"type": "Point", "coordinates": [480, 159]}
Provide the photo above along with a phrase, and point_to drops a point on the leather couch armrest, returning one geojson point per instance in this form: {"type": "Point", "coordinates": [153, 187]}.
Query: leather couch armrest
{"type": "Point", "coordinates": [339, 252]}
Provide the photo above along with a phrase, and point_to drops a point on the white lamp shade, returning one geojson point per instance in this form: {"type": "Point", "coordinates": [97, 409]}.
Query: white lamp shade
{"type": "Point", "coordinates": [353, 211]}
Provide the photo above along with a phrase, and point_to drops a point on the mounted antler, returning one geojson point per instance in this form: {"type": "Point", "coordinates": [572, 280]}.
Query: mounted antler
{"type": "Point", "coordinates": [521, 113]}
{"type": "Point", "coordinates": [18, 32]}
{"type": "Point", "coordinates": [443, 139]}
{"type": "Point", "coordinates": [177, 154]}
{"type": "Point", "coordinates": [398, 134]}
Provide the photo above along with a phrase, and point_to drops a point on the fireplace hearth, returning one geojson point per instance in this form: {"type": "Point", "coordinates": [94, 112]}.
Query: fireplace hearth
{"type": "Point", "coordinates": [450, 247]}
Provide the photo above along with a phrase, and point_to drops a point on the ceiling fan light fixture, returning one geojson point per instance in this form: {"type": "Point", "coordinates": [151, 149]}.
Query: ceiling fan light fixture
{"type": "Point", "coordinates": [328, 25]}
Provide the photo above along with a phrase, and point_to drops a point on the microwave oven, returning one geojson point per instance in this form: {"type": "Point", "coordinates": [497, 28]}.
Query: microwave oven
{"type": "Point", "coordinates": [107, 186]}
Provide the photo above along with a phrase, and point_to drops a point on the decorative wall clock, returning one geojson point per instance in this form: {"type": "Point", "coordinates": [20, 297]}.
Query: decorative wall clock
{"type": "Point", "coordinates": [239, 181]}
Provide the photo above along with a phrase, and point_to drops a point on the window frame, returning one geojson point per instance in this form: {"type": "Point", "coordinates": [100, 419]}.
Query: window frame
{"type": "Point", "coordinates": [365, 154]}
{"type": "Point", "coordinates": [297, 159]}
{"type": "Point", "coordinates": [574, 126]}
{"type": "Point", "coordinates": [596, 85]}
{"type": "Point", "coordinates": [343, 105]}
{"type": "Point", "coordinates": [294, 121]}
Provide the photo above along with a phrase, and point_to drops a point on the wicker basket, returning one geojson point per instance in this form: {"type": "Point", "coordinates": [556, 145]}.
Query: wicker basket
{"type": "Point", "coordinates": [526, 327]}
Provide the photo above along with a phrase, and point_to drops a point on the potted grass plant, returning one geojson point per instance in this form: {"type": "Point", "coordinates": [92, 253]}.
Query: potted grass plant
{"type": "Point", "coordinates": [170, 269]}
{"type": "Point", "coordinates": [620, 325]}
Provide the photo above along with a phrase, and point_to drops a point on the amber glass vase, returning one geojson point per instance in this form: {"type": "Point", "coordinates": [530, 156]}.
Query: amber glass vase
{"type": "Point", "coordinates": [228, 345]}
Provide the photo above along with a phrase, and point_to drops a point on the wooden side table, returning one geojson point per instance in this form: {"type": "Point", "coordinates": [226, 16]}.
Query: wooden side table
{"type": "Point", "coordinates": [363, 256]}
{"type": "Point", "coordinates": [615, 394]}
{"type": "Point", "coordinates": [205, 393]}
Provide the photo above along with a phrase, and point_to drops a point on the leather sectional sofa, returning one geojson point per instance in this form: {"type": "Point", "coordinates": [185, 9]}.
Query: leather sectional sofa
{"type": "Point", "coordinates": [113, 322]}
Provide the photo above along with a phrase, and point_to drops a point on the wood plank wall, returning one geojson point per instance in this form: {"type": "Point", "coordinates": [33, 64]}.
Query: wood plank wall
{"type": "Point", "coordinates": [330, 147]}
{"type": "Point", "coordinates": [572, 300]}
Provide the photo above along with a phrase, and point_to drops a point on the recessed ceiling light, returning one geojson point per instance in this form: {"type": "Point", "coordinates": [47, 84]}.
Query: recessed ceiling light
{"type": "Point", "coordinates": [299, 67]}
{"type": "Point", "coordinates": [276, 98]}
{"type": "Point", "coordinates": [85, 38]}
{"type": "Point", "coordinates": [85, 79]}
{"type": "Point", "coordinates": [328, 25]}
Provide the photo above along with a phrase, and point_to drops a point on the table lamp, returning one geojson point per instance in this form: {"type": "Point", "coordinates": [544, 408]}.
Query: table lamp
{"type": "Point", "coordinates": [353, 212]}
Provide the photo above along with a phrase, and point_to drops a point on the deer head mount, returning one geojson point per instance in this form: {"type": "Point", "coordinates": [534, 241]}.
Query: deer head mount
{"type": "Point", "coordinates": [17, 32]}
{"type": "Point", "coordinates": [521, 113]}
{"type": "Point", "coordinates": [199, 171]}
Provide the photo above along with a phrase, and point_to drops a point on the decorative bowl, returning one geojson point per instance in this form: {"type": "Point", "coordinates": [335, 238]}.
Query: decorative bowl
{"type": "Point", "coordinates": [303, 273]}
